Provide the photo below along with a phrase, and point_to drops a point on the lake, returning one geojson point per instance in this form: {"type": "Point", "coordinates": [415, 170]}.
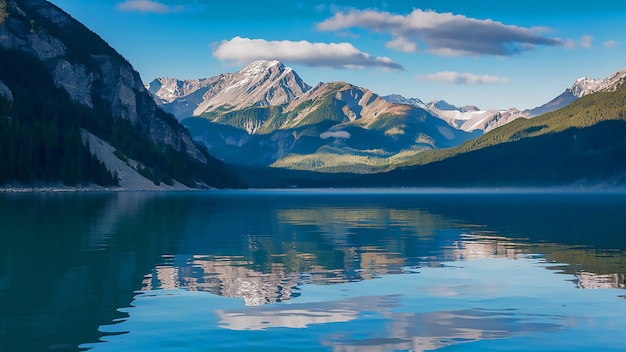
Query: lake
{"type": "Point", "coordinates": [333, 270]}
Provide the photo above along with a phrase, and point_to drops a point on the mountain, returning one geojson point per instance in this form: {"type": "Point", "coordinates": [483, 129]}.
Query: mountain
{"type": "Point", "coordinates": [580, 145]}
{"type": "Point", "coordinates": [70, 101]}
{"type": "Point", "coordinates": [333, 127]}
{"type": "Point", "coordinates": [582, 87]}
{"type": "Point", "coordinates": [261, 83]}
{"type": "Point", "coordinates": [265, 115]}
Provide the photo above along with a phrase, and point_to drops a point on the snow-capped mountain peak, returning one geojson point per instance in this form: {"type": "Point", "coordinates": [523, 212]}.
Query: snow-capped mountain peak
{"type": "Point", "coordinates": [261, 66]}
{"type": "Point", "coordinates": [585, 86]}
{"type": "Point", "coordinates": [260, 83]}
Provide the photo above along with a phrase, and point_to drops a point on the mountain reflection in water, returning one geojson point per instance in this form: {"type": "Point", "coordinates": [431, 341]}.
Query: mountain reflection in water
{"type": "Point", "coordinates": [284, 246]}
{"type": "Point", "coordinates": [373, 270]}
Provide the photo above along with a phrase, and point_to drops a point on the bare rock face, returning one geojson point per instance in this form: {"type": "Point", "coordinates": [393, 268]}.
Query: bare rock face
{"type": "Point", "coordinates": [75, 80]}
{"type": "Point", "coordinates": [90, 71]}
{"type": "Point", "coordinates": [5, 91]}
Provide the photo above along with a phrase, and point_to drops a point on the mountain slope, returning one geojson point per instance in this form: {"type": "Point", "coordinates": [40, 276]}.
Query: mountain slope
{"type": "Point", "coordinates": [99, 89]}
{"type": "Point", "coordinates": [579, 157]}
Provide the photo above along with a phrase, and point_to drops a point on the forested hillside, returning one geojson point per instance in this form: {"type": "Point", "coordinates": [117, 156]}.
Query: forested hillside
{"type": "Point", "coordinates": [40, 129]}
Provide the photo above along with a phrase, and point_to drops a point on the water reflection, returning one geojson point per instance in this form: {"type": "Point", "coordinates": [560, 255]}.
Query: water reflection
{"type": "Point", "coordinates": [71, 264]}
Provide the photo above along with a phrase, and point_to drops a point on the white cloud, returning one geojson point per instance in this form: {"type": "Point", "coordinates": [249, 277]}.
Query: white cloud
{"type": "Point", "coordinates": [586, 40]}
{"type": "Point", "coordinates": [442, 33]}
{"type": "Point", "coordinates": [450, 77]}
{"type": "Point", "coordinates": [147, 6]}
{"type": "Point", "coordinates": [570, 44]}
{"type": "Point", "coordinates": [336, 134]}
{"type": "Point", "coordinates": [335, 55]}
{"type": "Point", "coordinates": [401, 44]}
{"type": "Point", "coordinates": [610, 44]}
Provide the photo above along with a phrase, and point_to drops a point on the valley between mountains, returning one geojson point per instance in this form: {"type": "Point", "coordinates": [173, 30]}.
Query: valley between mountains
{"type": "Point", "coordinates": [74, 113]}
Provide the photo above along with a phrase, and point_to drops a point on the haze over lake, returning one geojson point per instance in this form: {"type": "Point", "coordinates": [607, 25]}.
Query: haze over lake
{"type": "Point", "coordinates": [332, 270]}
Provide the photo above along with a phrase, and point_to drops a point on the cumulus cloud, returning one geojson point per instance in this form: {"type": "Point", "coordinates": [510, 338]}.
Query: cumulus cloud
{"type": "Point", "coordinates": [610, 44]}
{"type": "Point", "coordinates": [335, 134]}
{"type": "Point", "coordinates": [442, 33]}
{"type": "Point", "coordinates": [586, 40]}
{"type": "Point", "coordinates": [335, 55]}
{"type": "Point", "coordinates": [461, 78]}
{"type": "Point", "coordinates": [401, 44]}
{"type": "Point", "coordinates": [147, 6]}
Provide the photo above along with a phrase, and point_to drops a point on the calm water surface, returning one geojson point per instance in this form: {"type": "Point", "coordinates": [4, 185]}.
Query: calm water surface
{"type": "Point", "coordinates": [312, 271]}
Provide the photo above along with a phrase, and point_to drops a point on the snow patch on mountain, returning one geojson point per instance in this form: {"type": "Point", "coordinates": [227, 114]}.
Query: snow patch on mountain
{"type": "Point", "coordinates": [399, 99]}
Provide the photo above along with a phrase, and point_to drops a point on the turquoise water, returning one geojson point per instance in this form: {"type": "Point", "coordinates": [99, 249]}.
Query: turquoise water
{"type": "Point", "coordinates": [313, 271]}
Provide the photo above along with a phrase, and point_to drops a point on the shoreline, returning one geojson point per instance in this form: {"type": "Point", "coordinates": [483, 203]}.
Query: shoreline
{"type": "Point", "coordinates": [407, 190]}
{"type": "Point", "coordinates": [59, 189]}
{"type": "Point", "coordinates": [90, 188]}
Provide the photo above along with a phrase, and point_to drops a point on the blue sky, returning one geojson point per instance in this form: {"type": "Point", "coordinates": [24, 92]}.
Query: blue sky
{"type": "Point", "coordinates": [492, 54]}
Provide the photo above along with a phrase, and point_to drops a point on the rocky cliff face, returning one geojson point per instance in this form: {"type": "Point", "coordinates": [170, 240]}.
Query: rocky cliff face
{"type": "Point", "coordinates": [5, 91]}
{"type": "Point", "coordinates": [89, 70]}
